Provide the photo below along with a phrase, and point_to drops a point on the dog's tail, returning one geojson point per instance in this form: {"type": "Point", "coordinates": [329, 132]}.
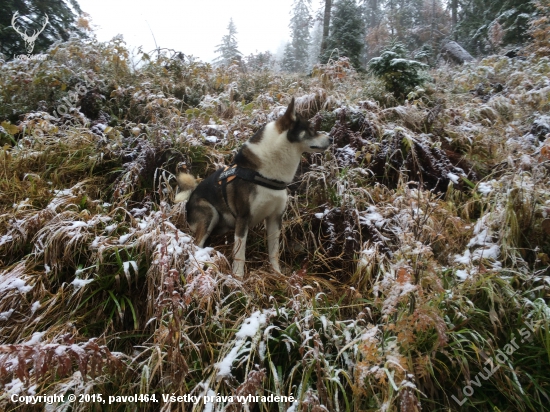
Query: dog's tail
{"type": "Point", "coordinates": [186, 183]}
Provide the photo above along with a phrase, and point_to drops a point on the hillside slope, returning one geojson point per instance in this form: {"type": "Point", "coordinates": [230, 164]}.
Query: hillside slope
{"type": "Point", "coordinates": [415, 251]}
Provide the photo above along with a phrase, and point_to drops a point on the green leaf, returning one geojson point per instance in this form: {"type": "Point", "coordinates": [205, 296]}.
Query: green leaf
{"type": "Point", "coordinates": [468, 182]}
{"type": "Point", "coordinates": [248, 108]}
{"type": "Point", "coordinates": [120, 311]}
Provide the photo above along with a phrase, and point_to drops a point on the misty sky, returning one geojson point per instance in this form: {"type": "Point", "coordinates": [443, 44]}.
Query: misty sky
{"type": "Point", "coordinates": [193, 26]}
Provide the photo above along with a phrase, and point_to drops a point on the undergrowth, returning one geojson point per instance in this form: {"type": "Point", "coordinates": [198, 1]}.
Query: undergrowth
{"type": "Point", "coordinates": [413, 251]}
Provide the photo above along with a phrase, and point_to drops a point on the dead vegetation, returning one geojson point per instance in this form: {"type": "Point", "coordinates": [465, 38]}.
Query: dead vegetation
{"type": "Point", "coordinates": [413, 250]}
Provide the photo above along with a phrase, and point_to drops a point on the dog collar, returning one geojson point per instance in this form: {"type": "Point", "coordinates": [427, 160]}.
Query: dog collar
{"type": "Point", "coordinates": [233, 171]}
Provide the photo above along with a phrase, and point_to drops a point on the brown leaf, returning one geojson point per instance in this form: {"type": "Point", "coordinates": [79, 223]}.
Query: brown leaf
{"type": "Point", "coordinates": [21, 366]}
{"type": "Point", "coordinates": [403, 275]}
{"type": "Point", "coordinates": [64, 365]}
{"type": "Point", "coordinates": [545, 153]}
{"type": "Point", "coordinates": [83, 366]}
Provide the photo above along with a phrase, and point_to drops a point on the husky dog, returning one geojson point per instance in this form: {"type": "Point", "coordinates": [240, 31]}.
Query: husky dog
{"type": "Point", "coordinates": [253, 188]}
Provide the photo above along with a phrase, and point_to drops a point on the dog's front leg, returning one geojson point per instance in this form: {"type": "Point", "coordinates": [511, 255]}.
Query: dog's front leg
{"type": "Point", "coordinates": [273, 229]}
{"type": "Point", "coordinates": [239, 248]}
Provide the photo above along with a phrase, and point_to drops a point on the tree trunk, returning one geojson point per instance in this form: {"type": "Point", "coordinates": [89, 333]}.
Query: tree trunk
{"type": "Point", "coordinates": [373, 13]}
{"type": "Point", "coordinates": [432, 29]}
{"type": "Point", "coordinates": [326, 25]}
{"type": "Point", "coordinates": [392, 18]}
{"type": "Point", "coordinates": [454, 15]}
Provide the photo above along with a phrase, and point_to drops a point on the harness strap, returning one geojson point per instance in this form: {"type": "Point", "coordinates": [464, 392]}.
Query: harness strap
{"type": "Point", "coordinates": [233, 171]}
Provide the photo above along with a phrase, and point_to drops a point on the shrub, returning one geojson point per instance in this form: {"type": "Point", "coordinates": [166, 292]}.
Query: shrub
{"type": "Point", "coordinates": [540, 25]}
{"type": "Point", "coordinates": [400, 75]}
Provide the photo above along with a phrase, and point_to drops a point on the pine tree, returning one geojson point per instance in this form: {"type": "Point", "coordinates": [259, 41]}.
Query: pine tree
{"type": "Point", "coordinates": [540, 28]}
{"type": "Point", "coordinates": [376, 30]}
{"type": "Point", "coordinates": [399, 74]}
{"type": "Point", "coordinates": [346, 32]}
{"type": "Point", "coordinates": [480, 20]}
{"type": "Point", "coordinates": [326, 25]}
{"type": "Point", "coordinates": [288, 64]}
{"type": "Point", "coordinates": [315, 44]}
{"type": "Point", "coordinates": [228, 49]}
{"type": "Point", "coordinates": [404, 17]}
{"type": "Point", "coordinates": [373, 12]}
{"type": "Point", "coordinates": [299, 33]}
{"type": "Point", "coordinates": [62, 22]}
{"type": "Point", "coordinates": [432, 24]}
{"type": "Point", "coordinates": [259, 61]}
{"type": "Point", "coordinates": [416, 24]}
{"type": "Point", "coordinates": [454, 16]}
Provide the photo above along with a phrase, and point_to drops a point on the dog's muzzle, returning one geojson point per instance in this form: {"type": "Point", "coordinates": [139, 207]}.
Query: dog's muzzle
{"type": "Point", "coordinates": [330, 141]}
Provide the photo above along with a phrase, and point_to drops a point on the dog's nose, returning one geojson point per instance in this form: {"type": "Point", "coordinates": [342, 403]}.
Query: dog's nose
{"type": "Point", "coordinates": [330, 140]}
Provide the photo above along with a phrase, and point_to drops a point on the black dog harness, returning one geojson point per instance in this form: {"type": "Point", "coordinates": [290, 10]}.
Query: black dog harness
{"type": "Point", "coordinates": [230, 173]}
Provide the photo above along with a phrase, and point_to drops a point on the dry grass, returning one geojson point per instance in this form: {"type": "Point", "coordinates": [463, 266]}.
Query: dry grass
{"type": "Point", "coordinates": [412, 251]}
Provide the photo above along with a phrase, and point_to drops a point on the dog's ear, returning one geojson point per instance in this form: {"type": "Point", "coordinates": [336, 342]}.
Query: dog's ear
{"type": "Point", "coordinates": [286, 120]}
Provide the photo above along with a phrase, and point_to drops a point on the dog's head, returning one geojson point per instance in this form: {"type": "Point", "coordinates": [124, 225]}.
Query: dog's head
{"type": "Point", "coordinates": [300, 131]}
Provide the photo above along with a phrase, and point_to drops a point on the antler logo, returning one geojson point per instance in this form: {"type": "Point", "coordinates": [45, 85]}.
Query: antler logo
{"type": "Point", "coordinates": [29, 40]}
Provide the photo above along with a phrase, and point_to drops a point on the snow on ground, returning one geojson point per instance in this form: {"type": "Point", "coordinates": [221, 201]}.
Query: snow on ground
{"type": "Point", "coordinates": [35, 306]}
{"type": "Point", "coordinates": [80, 283]}
{"type": "Point", "coordinates": [372, 217]}
{"type": "Point", "coordinates": [485, 188]}
{"type": "Point", "coordinates": [4, 316]}
{"type": "Point", "coordinates": [14, 279]}
{"type": "Point", "coordinates": [453, 177]}
{"type": "Point", "coordinates": [249, 329]}
{"type": "Point", "coordinates": [481, 246]}
{"type": "Point", "coordinates": [35, 338]}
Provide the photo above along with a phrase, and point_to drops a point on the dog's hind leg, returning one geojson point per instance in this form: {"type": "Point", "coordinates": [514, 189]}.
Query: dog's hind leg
{"type": "Point", "coordinates": [273, 229]}
{"type": "Point", "coordinates": [239, 248]}
{"type": "Point", "coordinates": [205, 220]}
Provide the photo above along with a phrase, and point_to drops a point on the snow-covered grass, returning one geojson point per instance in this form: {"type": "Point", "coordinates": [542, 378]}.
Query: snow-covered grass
{"type": "Point", "coordinates": [410, 251]}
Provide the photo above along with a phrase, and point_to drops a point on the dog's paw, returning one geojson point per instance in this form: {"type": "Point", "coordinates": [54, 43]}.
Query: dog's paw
{"type": "Point", "coordinates": [238, 269]}
{"type": "Point", "coordinates": [276, 268]}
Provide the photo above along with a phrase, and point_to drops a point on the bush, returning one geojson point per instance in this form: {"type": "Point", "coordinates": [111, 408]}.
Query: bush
{"type": "Point", "coordinates": [400, 75]}
{"type": "Point", "coordinates": [540, 25]}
